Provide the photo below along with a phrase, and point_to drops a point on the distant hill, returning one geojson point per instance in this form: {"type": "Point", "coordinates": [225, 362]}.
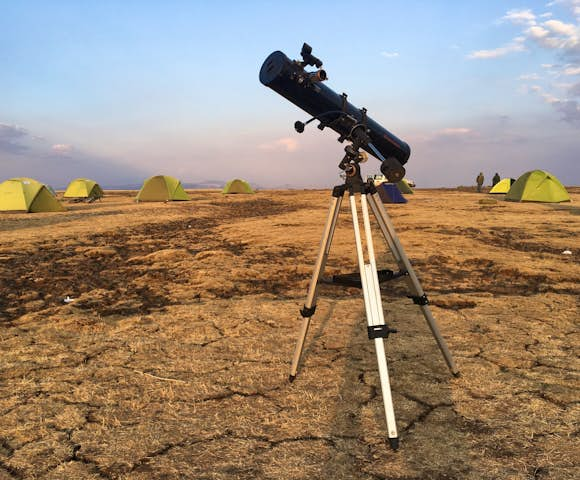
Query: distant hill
{"type": "Point", "coordinates": [204, 184]}
{"type": "Point", "coordinates": [189, 185]}
{"type": "Point", "coordinates": [125, 186]}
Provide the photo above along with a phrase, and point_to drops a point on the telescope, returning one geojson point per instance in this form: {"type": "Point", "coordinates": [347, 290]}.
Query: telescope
{"type": "Point", "coordinates": [306, 90]}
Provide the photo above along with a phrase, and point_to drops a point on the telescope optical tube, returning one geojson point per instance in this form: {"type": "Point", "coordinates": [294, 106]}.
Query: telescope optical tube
{"type": "Point", "coordinates": [306, 90]}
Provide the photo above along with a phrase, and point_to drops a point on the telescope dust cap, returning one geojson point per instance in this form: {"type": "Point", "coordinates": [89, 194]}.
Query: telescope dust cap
{"type": "Point", "coordinates": [273, 67]}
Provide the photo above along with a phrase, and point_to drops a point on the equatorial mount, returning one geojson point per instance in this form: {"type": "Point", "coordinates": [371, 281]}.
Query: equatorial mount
{"type": "Point", "coordinates": [351, 161]}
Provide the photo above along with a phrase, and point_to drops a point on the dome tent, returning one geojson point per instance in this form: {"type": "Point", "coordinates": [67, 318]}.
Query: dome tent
{"type": "Point", "coordinates": [27, 195]}
{"type": "Point", "coordinates": [161, 188]}
{"type": "Point", "coordinates": [503, 186]}
{"type": "Point", "coordinates": [390, 193]}
{"type": "Point", "coordinates": [237, 186]}
{"type": "Point", "coordinates": [537, 186]}
{"type": "Point", "coordinates": [404, 187]}
{"type": "Point", "coordinates": [83, 188]}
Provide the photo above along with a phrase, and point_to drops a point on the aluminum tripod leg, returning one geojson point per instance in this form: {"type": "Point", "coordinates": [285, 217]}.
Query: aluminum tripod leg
{"type": "Point", "coordinates": [377, 328]}
{"type": "Point", "coordinates": [419, 297]}
{"type": "Point", "coordinates": [310, 304]}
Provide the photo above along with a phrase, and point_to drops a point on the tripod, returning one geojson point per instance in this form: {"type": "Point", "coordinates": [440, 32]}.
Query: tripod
{"type": "Point", "coordinates": [368, 278]}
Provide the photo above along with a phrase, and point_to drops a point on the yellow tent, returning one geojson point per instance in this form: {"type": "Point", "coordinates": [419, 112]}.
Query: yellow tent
{"type": "Point", "coordinates": [404, 187]}
{"type": "Point", "coordinates": [503, 186]}
{"type": "Point", "coordinates": [161, 188]}
{"type": "Point", "coordinates": [537, 186]}
{"type": "Point", "coordinates": [237, 186]}
{"type": "Point", "coordinates": [27, 195]}
{"type": "Point", "coordinates": [83, 188]}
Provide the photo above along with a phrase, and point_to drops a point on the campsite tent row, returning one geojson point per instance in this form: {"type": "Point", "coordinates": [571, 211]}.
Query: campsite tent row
{"type": "Point", "coordinates": [532, 186]}
{"type": "Point", "coordinates": [24, 194]}
{"type": "Point", "coordinates": [28, 195]}
{"type": "Point", "coordinates": [163, 188]}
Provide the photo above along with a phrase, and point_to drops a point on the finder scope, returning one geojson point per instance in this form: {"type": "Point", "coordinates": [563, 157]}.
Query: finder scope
{"type": "Point", "coordinates": [305, 89]}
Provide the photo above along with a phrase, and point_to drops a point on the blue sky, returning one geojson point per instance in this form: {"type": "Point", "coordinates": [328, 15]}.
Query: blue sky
{"type": "Point", "coordinates": [120, 90]}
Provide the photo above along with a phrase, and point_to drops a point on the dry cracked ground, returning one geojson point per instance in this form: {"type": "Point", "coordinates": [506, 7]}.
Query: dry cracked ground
{"type": "Point", "coordinates": [171, 360]}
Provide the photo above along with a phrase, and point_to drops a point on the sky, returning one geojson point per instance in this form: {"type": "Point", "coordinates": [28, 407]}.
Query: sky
{"type": "Point", "coordinates": [121, 90]}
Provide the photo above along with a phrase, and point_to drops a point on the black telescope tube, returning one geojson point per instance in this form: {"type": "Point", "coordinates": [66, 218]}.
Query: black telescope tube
{"type": "Point", "coordinates": [289, 79]}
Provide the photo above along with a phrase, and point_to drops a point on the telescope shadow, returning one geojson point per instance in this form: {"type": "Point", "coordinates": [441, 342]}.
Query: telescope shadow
{"type": "Point", "coordinates": [434, 441]}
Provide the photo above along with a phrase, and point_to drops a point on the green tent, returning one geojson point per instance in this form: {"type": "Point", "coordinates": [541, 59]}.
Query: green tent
{"type": "Point", "coordinates": [503, 186]}
{"type": "Point", "coordinates": [537, 186]}
{"type": "Point", "coordinates": [27, 195]}
{"type": "Point", "coordinates": [237, 186]}
{"type": "Point", "coordinates": [83, 188]}
{"type": "Point", "coordinates": [161, 188]}
{"type": "Point", "coordinates": [404, 186]}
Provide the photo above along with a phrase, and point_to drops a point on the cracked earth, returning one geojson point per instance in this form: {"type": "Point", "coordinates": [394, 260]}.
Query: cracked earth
{"type": "Point", "coordinates": [172, 360]}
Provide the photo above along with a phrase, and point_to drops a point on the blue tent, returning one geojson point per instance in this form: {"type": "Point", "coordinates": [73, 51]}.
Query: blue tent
{"type": "Point", "coordinates": [389, 193]}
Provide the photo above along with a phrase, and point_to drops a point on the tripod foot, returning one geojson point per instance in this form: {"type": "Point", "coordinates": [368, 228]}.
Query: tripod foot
{"type": "Point", "coordinates": [457, 374]}
{"type": "Point", "coordinates": [291, 378]}
{"type": "Point", "coordinates": [394, 443]}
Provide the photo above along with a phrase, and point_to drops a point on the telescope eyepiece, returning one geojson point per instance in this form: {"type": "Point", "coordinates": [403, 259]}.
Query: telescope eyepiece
{"type": "Point", "coordinates": [318, 76]}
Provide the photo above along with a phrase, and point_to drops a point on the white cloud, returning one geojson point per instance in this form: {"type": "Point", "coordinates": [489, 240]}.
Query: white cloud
{"type": "Point", "coordinates": [548, 97]}
{"type": "Point", "coordinates": [286, 144]}
{"type": "Point", "coordinates": [456, 131]}
{"type": "Point", "coordinates": [537, 32]}
{"type": "Point", "coordinates": [517, 45]}
{"type": "Point", "coordinates": [62, 149]}
{"type": "Point", "coordinates": [550, 34]}
{"type": "Point", "coordinates": [572, 70]}
{"type": "Point", "coordinates": [573, 5]}
{"type": "Point", "coordinates": [390, 54]}
{"type": "Point", "coordinates": [561, 28]}
{"type": "Point", "coordinates": [556, 35]}
{"type": "Point", "coordinates": [449, 135]}
{"type": "Point", "coordinates": [520, 17]}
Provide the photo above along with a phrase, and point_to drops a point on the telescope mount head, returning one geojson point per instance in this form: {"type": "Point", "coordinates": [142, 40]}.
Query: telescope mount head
{"type": "Point", "coordinates": [352, 159]}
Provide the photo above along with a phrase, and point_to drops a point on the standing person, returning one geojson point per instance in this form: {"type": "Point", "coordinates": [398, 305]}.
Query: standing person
{"type": "Point", "coordinates": [479, 181]}
{"type": "Point", "coordinates": [495, 179]}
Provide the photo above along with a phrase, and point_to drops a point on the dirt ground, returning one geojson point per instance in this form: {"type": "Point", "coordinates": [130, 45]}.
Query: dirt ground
{"type": "Point", "coordinates": [171, 360]}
